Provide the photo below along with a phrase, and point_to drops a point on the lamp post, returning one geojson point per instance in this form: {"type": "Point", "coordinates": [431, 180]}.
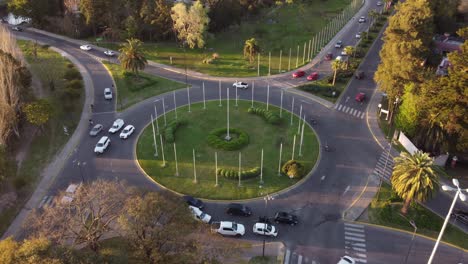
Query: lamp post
{"type": "Point", "coordinates": [413, 224]}
{"type": "Point", "coordinates": [457, 194]}
{"type": "Point", "coordinates": [81, 164]}
{"type": "Point", "coordinates": [266, 199]}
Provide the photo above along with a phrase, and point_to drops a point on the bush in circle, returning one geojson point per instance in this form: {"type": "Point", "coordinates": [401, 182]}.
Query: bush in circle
{"type": "Point", "coordinates": [234, 174]}
{"type": "Point", "coordinates": [293, 169]}
{"type": "Point", "coordinates": [269, 116]}
{"type": "Point", "coordinates": [72, 74]}
{"type": "Point", "coordinates": [169, 131]}
{"type": "Point", "coordinates": [216, 139]}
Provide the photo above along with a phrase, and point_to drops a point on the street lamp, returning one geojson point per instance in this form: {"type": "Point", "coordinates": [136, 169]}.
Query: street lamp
{"type": "Point", "coordinates": [413, 224]}
{"type": "Point", "coordinates": [266, 199]}
{"type": "Point", "coordinates": [81, 164]}
{"type": "Point", "coordinates": [457, 194]}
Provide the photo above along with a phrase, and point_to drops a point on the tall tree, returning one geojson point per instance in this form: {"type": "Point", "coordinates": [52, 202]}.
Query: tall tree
{"type": "Point", "coordinates": [157, 15]}
{"type": "Point", "coordinates": [251, 49]}
{"type": "Point", "coordinates": [190, 24]}
{"type": "Point", "coordinates": [414, 177]}
{"type": "Point", "coordinates": [36, 10]}
{"type": "Point", "coordinates": [445, 14]}
{"type": "Point", "coordinates": [336, 65]}
{"type": "Point", "coordinates": [131, 56]}
{"type": "Point", "coordinates": [349, 50]}
{"type": "Point", "coordinates": [406, 44]}
{"type": "Point", "coordinates": [408, 116]}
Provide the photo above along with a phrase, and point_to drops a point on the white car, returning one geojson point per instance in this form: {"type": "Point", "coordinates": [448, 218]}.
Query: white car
{"type": "Point", "coordinates": [108, 94]}
{"type": "Point", "coordinates": [86, 47]}
{"type": "Point", "coordinates": [265, 229]}
{"type": "Point", "coordinates": [199, 214]}
{"type": "Point", "coordinates": [118, 124]}
{"type": "Point", "coordinates": [358, 35]}
{"type": "Point", "coordinates": [227, 228]}
{"type": "Point", "coordinates": [240, 85]}
{"type": "Point", "coordinates": [339, 58]}
{"type": "Point", "coordinates": [346, 260]}
{"type": "Point", "coordinates": [343, 53]}
{"type": "Point", "coordinates": [339, 44]}
{"type": "Point", "coordinates": [379, 3]}
{"type": "Point", "coordinates": [127, 131]}
{"type": "Point", "coordinates": [109, 53]}
{"type": "Point", "coordinates": [70, 193]}
{"type": "Point", "coordinates": [362, 19]}
{"type": "Point", "coordinates": [102, 145]}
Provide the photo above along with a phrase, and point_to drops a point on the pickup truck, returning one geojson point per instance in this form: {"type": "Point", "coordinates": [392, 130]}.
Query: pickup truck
{"type": "Point", "coordinates": [227, 228]}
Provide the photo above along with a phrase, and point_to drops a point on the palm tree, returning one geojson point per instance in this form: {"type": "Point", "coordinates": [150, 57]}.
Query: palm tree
{"type": "Point", "coordinates": [251, 49]}
{"type": "Point", "coordinates": [414, 177]}
{"type": "Point", "coordinates": [336, 65]}
{"type": "Point", "coordinates": [131, 56]}
{"type": "Point", "coordinates": [349, 50]}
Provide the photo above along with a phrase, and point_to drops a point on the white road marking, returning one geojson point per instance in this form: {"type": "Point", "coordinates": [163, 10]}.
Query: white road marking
{"type": "Point", "coordinates": [361, 255]}
{"type": "Point", "coordinates": [360, 260]}
{"type": "Point", "coordinates": [339, 107]}
{"type": "Point", "coordinates": [355, 244]}
{"type": "Point", "coordinates": [355, 239]}
{"type": "Point", "coordinates": [288, 255]}
{"type": "Point", "coordinates": [346, 190]}
{"type": "Point", "coordinates": [363, 114]}
{"type": "Point", "coordinates": [347, 99]}
{"type": "Point", "coordinates": [299, 261]}
{"type": "Point", "coordinates": [322, 178]}
{"type": "Point", "coordinates": [347, 110]}
{"type": "Point", "coordinates": [354, 225]}
{"type": "Point", "coordinates": [354, 234]}
{"type": "Point", "coordinates": [354, 229]}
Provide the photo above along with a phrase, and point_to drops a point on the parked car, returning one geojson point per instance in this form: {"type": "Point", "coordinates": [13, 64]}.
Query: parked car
{"type": "Point", "coordinates": [379, 3]}
{"type": "Point", "coordinates": [339, 44]}
{"type": "Point", "coordinates": [298, 74]}
{"type": "Point", "coordinates": [238, 209]}
{"type": "Point", "coordinates": [86, 47]}
{"type": "Point", "coordinates": [240, 85]}
{"type": "Point", "coordinates": [70, 193]}
{"type": "Point", "coordinates": [346, 260]}
{"type": "Point", "coordinates": [313, 76]}
{"type": "Point", "coordinates": [460, 215]}
{"type": "Point", "coordinates": [95, 130]}
{"type": "Point", "coordinates": [107, 93]}
{"type": "Point", "coordinates": [329, 56]}
{"type": "Point", "coordinates": [358, 35]}
{"type": "Point", "coordinates": [265, 229]}
{"type": "Point", "coordinates": [360, 97]}
{"type": "Point", "coordinates": [362, 19]}
{"type": "Point", "coordinates": [199, 214]}
{"type": "Point", "coordinates": [359, 75]}
{"type": "Point", "coordinates": [19, 29]}
{"type": "Point", "coordinates": [127, 131]}
{"type": "Point", "coordinates": [227, 228]}
{"type": "Point", "coordinates": [339, 58]}
{"type": "Point", "coordinates": [102, 145]}
{"type": "Point", "coordinates": [118, 124]}
{"type": "Point", "coordinates": [194, 201]}
{"type": "Point", "coordinates": [109, 53]}
{"type": "Point", "coordinates": [286, 218]}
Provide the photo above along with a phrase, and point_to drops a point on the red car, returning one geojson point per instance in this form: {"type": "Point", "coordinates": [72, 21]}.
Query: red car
{"type": "Point", "coordinates": [360, 97]}
{"type": "Point", "coordinates": [313, 76]}
{"type": "Point", "coordinates": [329, 56]}
{"type": "Point", "coordinates": [298, 74]}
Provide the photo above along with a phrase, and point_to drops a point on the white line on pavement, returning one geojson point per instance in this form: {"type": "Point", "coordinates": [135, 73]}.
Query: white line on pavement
{"type": "Point", "coordinates": [355, 239]}
{"type": "Point", "coordinates": [288, 255]}
{"type": "Point", "coordinates": [354, 229]}
{"type": "Point", "coordinates": [353, 225]}
{"type": "Point", "coordinates": [354, 234]}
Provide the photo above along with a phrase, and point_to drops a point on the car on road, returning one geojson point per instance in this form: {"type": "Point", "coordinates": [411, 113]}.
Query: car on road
{"type": "Point", "coordinates": [379, 3]}
{"type": "Point", "coordinates": [339, 44]}
{"type": "Point", "coordinates": [95, 130]}
{"type": "Point", "coordinates": [127, 131]}
{"type": "Point", "coordinates": [227, 228]}
{"type": "Point", "coordinates": [107, 93]}
{"type": "Point", "coordinates": [343, 53]}
{"type": "Point", "coordinates": [358, 35]}
{"type": "Point", "coordinates": [265, 229]}
{"type": "Point", "coordinates": [313, 76]}
{"type": "Point", "coordinates": [339, 58]}
{"type": "Point", "coordinates": [199, 214]}
{"type": "Point", "coordinates": [69, 194]}
{"type": "Point", "coordinates": [359, 75]}
{"type": "Point", "coordinates": [460, 215]}
{"type": "Point", "coordinates": [19, 29]}
{"type": "Point", "coordinates": [346, 260]}
{"type": "Point", "coordinates": [102, 145]}
{"type": "Point", "coordinates": [86, 47]}
{"type": "Point", "coordinates": [238, 209]}
{"type": "Point", "coordinates": [240, 85]}
{"type": "Point", "coordinates": [362, 19]}
{"type": "Point", "coordinates": [109, 53]}
{"type": "Point", "coordinates": [116, 126]}
{"type": "Point", "coordinates": [360, 97]}
{"type": "Point", "coordinates": [194, 201]}
{"type": "Point", "coordinates": [286, 218]}
{"type": "Point", "coordinates": [298, 74]}
{"type": "Point", "coordinates": [329, 56]}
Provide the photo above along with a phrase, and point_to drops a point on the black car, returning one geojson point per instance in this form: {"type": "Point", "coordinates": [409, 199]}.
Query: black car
{"type": "Point", "coordinates": [17, 28]}
{"type": "Point", "coordinates": [286, 218]}
{"type": "Point", "coordinates": [194, 201]}
{"type": "Point", "coordinates": [238, 209]}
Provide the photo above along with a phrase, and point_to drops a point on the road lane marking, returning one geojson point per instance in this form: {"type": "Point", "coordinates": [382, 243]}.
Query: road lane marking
{"type": "Point", "coordinates": [340, 106]}
{"type": "Point", "coordinates": [354, 225]}
{"type": "Point", "coordinates": [346, 190]}
{"type": "Point", "coordinates": [354, 229]}
{"type": "Point", "coordinates": [354, 234]}
{"type": "Point", "coordinates": [288, 255]}
{"type": "Point", "coordinates": [299, 261]}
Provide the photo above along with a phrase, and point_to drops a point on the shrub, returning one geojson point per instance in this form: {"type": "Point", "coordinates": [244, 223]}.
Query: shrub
{"type": "Point", "coordinates": [293, 169]}
{"type": "Point", "coordinates": [234, 174]}
{"type": "Point", "coordinates": [72, 74]}
{"type": "Point", "coordinates": [269, 116]}
{"type": "Point", "coordinates": [74, 84]}
{"type": "Point", "coordinates": [208, 60]}
{"type": "Point", "coordinates": [215, 56]}
{"type": "Point", "coordinates": [19, 182]}
{"type": "Point", "coordinates": [169, 131]}
{"type": "Point", "coordinates": [70, 65]}
{"type": "Point", "coordinates": [216, 139]}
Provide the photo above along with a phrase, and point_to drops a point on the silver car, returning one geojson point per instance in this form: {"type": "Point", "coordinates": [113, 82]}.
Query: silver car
{"type": "Point", "coordinates": [95, 130]}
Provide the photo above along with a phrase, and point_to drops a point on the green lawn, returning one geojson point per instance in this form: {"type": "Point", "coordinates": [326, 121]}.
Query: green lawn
{"type": "Point", "coordinates": [323, 89]}
{"type": "Point", "coordinates": [385, 210]}
{"type": "Point", "coordinates": [132, 89]}
{"type": "Point", "coordinates": [48, 66]}
{"type": "Point", "coordinates": [276, 29]}
{"type": "Point", "coordinates": [193, 136]}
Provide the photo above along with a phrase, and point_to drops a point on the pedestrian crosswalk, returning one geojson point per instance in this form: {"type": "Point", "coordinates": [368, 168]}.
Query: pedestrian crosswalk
{"type": "Point", "coordinates": [355, 242]}
{"type": "Point", "coordinates": [384, 167]}
{"type": "Point", "coordinates": [46, 201]}
{"type": "Point", "coordinates": [350, 111]}
{"type": "Point", "coordinates": [291, 257]}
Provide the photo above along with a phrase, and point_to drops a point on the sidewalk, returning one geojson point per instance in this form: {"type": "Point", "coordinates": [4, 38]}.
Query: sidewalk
{"type": "Point", "coordinates": [274, 250]}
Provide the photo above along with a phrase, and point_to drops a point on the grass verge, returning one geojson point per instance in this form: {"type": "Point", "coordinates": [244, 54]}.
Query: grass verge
{"type": "Point", "coordinates": [132, 89]}
{"type": "Point", "coordinates": [49, 67]}
{"type": "Point", "coordinates": [193, 135]}
{"type": "Point", "coordinates": [385, 210]}
{"type": "Point", "coordinates": [323, 89]}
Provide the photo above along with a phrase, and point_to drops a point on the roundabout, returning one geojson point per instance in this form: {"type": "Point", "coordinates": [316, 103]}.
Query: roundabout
{"type": "Point", "coordinates": [250, 134]}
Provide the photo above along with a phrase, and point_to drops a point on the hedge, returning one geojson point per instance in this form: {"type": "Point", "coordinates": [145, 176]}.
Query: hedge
{"type": "Point", "coordinates": [234, 174]}
{"type": "Point", "coordinates": [269, 116]}
{"type": "Point", "coordinates": [169, 131]}
{"type": "Point", "coordinates": [216, 139]}
{"type": "Point", "coordinates": [293, 169]}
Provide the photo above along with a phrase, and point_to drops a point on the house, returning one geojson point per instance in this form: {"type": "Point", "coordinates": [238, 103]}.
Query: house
{"type": "Point", "coordinates": [442, 69]}
{"type": "Point", "coordinates": [446, 43]}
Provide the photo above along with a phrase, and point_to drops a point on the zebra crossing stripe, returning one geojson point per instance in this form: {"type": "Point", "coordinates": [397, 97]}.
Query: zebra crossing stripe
{"type": "Point", "coordinates": [299, 260]}
{"type": "Point", "coordinates": [354, 225]}
{"type": "Point", "coordinates": [356, 244]}
{"type": "Point", "coordinates": [339, 108]}
{"type": "Point", "coordinates": [353, 229]}
{"type": "Point", "coordinates": [361, 255]}
{"type": "Point", "coordinates": [363, 114]}
{"type": "Point", "coordinates": [348, 109]}
{"type": "Point", "coordinates": [355, 112]}
{"type": "Point", "coordinates": [288, 255]}
{"type": "Point", "coordinates": [354, 234]}
{"type": "Point", "coordinates": [360, 260]}
{"type": "Point", "coordinates": [42, 202]}
{"type": "Point", "coordinates": [355, 239]}
{"type": "Point", "coordinates": [359, 249]}
{"type": "Point", "coordinates": [336, 106]}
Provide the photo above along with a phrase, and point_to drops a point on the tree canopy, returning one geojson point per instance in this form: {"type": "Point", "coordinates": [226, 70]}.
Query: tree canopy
{"type": "Point", "coordinates": [190, 23]}
{"type": "Point", "coordinates": [131, 56]}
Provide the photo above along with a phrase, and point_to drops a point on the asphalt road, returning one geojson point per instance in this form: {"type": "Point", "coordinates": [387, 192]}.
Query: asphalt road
{"type": "Point", "coordinates": [319, 201]}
